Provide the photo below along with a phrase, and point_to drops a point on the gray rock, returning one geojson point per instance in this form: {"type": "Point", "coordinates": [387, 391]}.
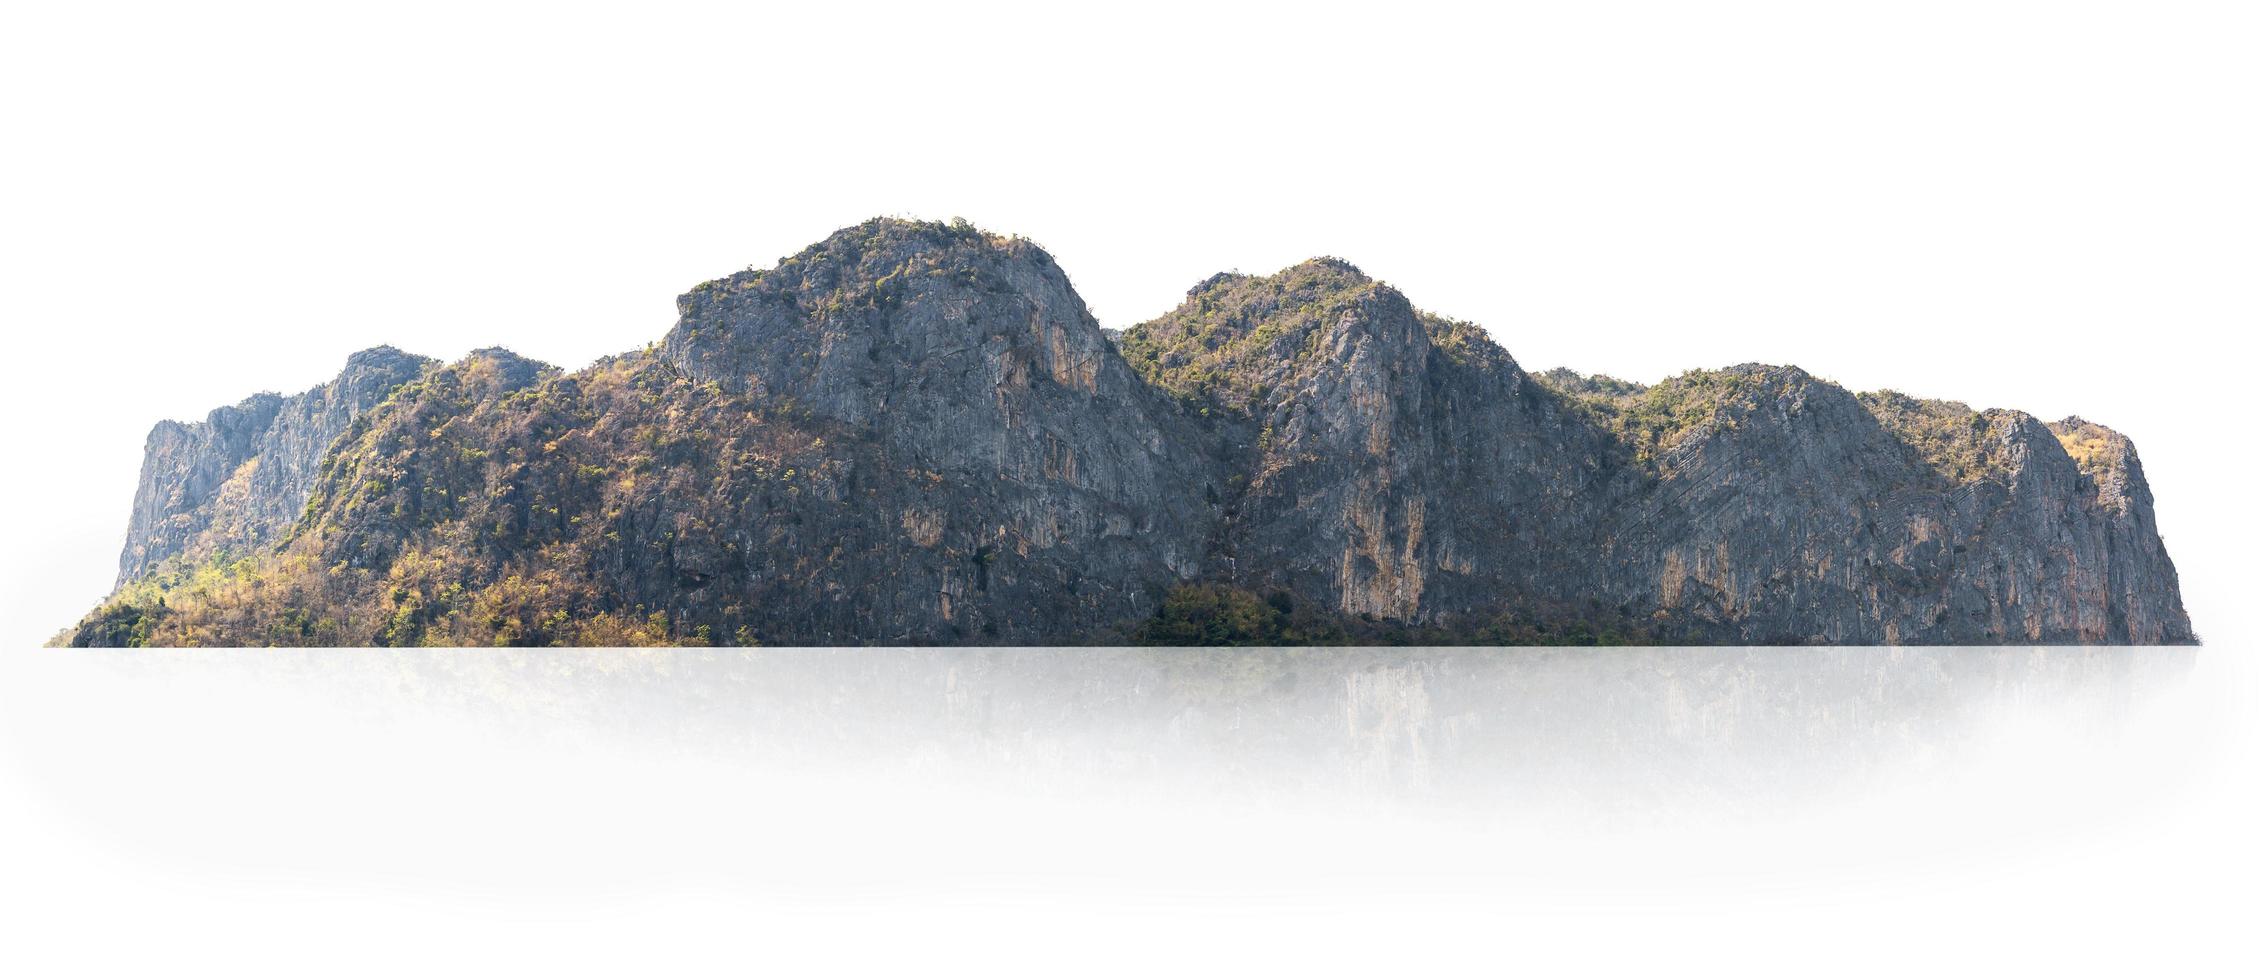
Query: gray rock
{"type": "Point", "coordinates": [234, 483]}
{"type": "Point", "coordinates": [1029, 486]}
{"type": "Point", "coordinates": [916, 433]}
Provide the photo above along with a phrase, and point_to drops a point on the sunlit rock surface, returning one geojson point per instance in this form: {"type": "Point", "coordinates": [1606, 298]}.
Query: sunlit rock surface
{"type": "Point", "coordinates": [915, 433]}
{"type": "Point", "coordinates": [234, 482]}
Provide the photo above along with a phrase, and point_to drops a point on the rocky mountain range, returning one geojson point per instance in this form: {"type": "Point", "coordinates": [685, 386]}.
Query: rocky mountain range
{"type": "Point", "coordinates": [915, 433]}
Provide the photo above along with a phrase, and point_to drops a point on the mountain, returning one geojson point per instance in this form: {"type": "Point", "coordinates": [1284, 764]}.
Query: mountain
{"type": "Point", "coordinates": [1380, 462]}
{"type": "Point", "coordinates": [915, 433]}
{"type": "Point", "coordinates": [235, 481]}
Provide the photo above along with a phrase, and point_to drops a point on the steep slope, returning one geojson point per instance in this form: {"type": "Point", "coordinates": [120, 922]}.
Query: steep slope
{"type": "Point", "coordinates": [1023, 483]}
{"type": "Point", "coordinates": [1398, 466]}
{"type": "Point", "coordinates": [1758, 513]}
{"type": "Point", "coordinates": [233, 483]}
{"type": "Point", "coordinates": [1382, 462]}
{"type": "Point", "coordinates": [907, 433]}
{"type": "Point", "coordinates": [1780, 508]}
{"type": "Point", "coordinates": [916, 433]}
{"type": "Point", "coordinates": [2140, 590]}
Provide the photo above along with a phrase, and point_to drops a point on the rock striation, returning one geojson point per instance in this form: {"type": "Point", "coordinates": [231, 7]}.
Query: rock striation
{"type": "Point", "coordinates": [915, 433]}
{"type": "Point", "coordinates": [234, 482]}
{"type": "Point", "coordinates": [1003, 473]}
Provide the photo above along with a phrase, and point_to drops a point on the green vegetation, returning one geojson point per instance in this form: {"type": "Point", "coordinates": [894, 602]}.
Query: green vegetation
{"type": "Point", "coordinates": [494, 501]}
{"type": "Point", "coordinates": [1571, 383]}
{"type": "Point", "coordinates": [1211, 614]}
{"type": "Point", "coordinates": [871, 266]}
{"type": "Point", "coordinates": [1957, 443]}
{"type": "Point", "coordinates": [1651, 420]}
{"type": "Point", "coordinates": [470, 513]}
{"type": "Point", "coordinates": [1206, 615]}
{"type": "Point", "coordinates": [1239, 343]}
{"type": "Point", "coordinates": [1237, 337]}
{"type": "Point", "coordinates": [2095, 449]}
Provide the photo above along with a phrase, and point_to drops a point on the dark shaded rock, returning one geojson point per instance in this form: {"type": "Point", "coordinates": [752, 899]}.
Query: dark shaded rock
{"type": "Point", "coordinates": [1779, 508]}
{"type": "Point", "coordinates": [1015, 480]}
{"type": "Point", "coordinates": [1381, 462]}
{"type": "Point", "coordinates": [916, 433]}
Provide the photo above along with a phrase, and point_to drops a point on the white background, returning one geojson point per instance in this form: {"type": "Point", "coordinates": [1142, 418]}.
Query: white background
{"type": "Point", "coordinates": [2044, 206]}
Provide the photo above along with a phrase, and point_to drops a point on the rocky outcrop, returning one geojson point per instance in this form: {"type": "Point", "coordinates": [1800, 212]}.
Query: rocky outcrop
{"type": "Point", "coordinates": [233, 483]}
{"type": "Point", "coordinates": [1013, 479]}
{"type": "Point", "coordinates": [1380, 462]}
{"type": "Point", "coordinates": [1400, 466]}
{"type": "Point", "coordinates": [1767, 506]}
{"type": "Point", "coordinates": [916, 433]}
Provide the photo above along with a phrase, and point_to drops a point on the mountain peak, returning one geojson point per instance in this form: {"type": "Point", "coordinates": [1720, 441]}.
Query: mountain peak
{"type": "Point", "coordinates": [887, 228]}
{"type": "Point", "coordinates": [1331, 265]}
{"type": "Point", "coordinates": [846, 326]}
{"type": "Point", "coordinates": [380, 356]}
{"type": "Point", "coordinates": [1236, 336]}
{"type": "Point", "coordinates": [499, 370]}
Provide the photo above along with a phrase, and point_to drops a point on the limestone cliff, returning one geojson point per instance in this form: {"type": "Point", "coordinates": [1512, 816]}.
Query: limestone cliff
{"type": "Point", "coordinates": [1004, 475]}
{"type": "Point", "coordinates": [916, 433]}
{"type": "Point", "coordinates": [1381, 462]}
{"type": "Point", "coordinates": [234, 482]}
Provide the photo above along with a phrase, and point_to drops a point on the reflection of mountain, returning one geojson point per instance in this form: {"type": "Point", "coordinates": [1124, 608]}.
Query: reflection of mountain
{"type": "Point", "coordinates": [1611, 728]}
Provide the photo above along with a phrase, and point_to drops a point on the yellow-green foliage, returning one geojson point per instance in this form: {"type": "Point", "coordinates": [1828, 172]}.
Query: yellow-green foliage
{"type": "Point", "coordinates": [1239, 342]}
{"type": "Point", "coordinates": [466, 514]}
{"type": "Point", "coordinates": [869, 249]}
{"type": "Point", "coordinates": [1212, 614]}
{"type": "Point", "coordinates": [285, 600]}
{"type": "Point", "coordinates": [1572, 384]}
{"type": "Point", "coordinates": [2096, 450]}
{"type": "Point", "coordinates": [1219, 615]}
{"type": "Point", "coordinates": [1223, 343]}
{"type": "Point", "coordinates": [1651, 420]}
{"type": "Point", "coordinates": [1958, 443]}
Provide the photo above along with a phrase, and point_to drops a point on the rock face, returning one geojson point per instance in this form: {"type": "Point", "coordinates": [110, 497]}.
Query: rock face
{"type": "Point", "coordinates": [1003, 474]}
{"type": "Point", "coordinates": [1382, 462]}
{"type": "Point", "coordinates": [235, 482]}
{"type": "Point", "coordinates": [916, 433]}
{"type": "Point", "coordinates": [1791, 511]}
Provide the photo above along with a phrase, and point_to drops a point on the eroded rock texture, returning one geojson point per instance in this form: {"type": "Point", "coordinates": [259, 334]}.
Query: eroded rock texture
{"type": "Point", "coordinates": [235, 481]}
{"type": "Point", "coordinates": [916, 433]}
{"type": "Point", "coordinates": [1381, 462]}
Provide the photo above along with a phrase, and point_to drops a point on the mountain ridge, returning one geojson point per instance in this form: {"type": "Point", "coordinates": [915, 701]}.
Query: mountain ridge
{"type": "Point", "coordinates": [233, 480]}
{"type": "Point", "coordinates": [914, 432]}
